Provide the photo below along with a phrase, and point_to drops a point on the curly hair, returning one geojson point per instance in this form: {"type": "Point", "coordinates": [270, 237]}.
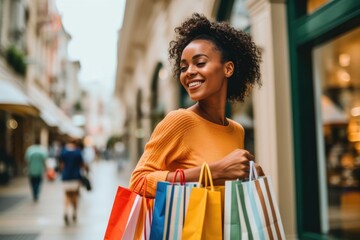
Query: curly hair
{"type": "Point", "coordinates": [234, 45]}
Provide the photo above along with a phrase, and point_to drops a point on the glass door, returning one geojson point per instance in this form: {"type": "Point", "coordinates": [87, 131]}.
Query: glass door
{"type": "Point", "coordinates": [336, 68]}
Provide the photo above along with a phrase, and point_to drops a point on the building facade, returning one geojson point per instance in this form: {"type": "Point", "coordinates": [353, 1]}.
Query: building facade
{"type": "Point", "coordinates": [34, 73]}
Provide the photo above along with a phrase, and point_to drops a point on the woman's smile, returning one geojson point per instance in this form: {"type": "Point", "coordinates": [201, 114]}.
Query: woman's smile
{"type": "Point", "coordinates": [194, 84]}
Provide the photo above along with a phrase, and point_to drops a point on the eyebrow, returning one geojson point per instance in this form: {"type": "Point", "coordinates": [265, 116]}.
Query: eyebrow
{"type": "Point", "coordinates": [195, 57]}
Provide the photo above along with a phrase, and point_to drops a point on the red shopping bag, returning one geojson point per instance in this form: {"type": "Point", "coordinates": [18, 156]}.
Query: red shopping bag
{"type": "Point", "coordinates": [120, 214]}
{"type": "Point", "coordinates": [50, 174]}
{"type": "Point", "coordinates": [130, 217]}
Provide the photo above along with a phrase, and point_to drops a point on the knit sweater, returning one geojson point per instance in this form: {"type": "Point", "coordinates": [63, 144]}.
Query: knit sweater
{"type": "Point", "coordinates": [184, 140]}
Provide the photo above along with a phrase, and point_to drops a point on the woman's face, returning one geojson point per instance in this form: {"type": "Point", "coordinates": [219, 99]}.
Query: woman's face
{"type": "Point", "coordinates": [201, 72]}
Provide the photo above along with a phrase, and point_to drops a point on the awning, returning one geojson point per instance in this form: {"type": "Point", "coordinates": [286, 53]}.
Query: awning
{"type": "Point", "coordinates": [13, 99]}
{"type": "Point", "coordinates": [52, 115]}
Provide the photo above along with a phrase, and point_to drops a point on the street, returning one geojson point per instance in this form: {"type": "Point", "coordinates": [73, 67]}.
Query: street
{"type": "Point", "coordinates": [21, 218]}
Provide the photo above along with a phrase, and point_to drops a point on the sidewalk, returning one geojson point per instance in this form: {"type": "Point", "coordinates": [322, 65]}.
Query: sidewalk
{"type": "Point", "coordinates": [21, 218]}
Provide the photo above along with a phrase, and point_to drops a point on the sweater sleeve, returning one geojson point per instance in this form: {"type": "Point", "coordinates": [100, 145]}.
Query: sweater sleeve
{"type": "Point", "coordinates": [164, 146]}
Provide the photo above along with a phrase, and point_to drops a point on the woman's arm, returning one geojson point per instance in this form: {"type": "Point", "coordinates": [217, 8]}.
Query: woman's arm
{"type": "Point", "coordinates": [164, 146]}
{"type": "Point", "coordinates": [235, 165]}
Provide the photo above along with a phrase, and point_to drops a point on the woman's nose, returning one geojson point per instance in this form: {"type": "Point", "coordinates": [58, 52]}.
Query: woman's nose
{"type": "Point", "coordinates": [191, 71]}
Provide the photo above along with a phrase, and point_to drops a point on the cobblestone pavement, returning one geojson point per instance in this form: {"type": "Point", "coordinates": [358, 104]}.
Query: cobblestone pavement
{"type": "Point", "coordinates": [21, 218]}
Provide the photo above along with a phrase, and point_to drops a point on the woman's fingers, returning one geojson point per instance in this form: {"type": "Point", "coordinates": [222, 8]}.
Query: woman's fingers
{"type": "Point", "coordinates": [249, 156]}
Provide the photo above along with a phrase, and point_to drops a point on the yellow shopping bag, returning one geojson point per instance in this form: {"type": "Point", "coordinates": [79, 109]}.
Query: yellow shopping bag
{"type": "Point", "coordinates": [203, 219]}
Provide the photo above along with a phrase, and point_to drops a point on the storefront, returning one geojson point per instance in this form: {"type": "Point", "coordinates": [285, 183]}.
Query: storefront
{"type": "Point", "coordinates": [25, 116]}
{"type": "Point", "coordinates": [16, 119]}
{"type": "Point", "coordinates": [324, 40]}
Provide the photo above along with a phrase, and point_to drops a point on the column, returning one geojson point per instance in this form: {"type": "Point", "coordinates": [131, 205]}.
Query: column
{"type": "Point", "coordinates": [272, 105]}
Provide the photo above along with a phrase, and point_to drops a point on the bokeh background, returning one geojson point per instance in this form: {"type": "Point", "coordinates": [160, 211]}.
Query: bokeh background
{"type": "Point", "coordinates": [98, 71]}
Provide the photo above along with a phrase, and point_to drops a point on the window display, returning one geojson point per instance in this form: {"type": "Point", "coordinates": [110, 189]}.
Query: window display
{"type": "Point", "coordinates": [337, 72]}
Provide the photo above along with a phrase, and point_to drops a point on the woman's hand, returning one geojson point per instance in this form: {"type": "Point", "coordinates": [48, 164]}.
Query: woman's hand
{"type": "Point", "coordinates": [235, 165]}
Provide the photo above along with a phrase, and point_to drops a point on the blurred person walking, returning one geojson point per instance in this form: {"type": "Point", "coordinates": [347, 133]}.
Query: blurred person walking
{"type": "Point", "coordinates": [35, 156]}
{"type": "Point", "coordinates": [71, 165]}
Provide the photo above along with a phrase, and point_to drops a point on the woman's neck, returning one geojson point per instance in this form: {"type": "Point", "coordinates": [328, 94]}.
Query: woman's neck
{"type": "Point", "coordinates": [213, 114]}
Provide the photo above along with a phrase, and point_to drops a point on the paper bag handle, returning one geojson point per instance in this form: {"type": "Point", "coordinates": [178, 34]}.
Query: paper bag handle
{"type": "Point", "coordinates": [206, 174]}
{"type": "Point", "coordinates": [253, 173]}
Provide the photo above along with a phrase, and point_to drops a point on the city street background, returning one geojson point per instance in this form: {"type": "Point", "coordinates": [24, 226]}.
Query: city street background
{"type": "Point", "coordinates": [98, 71]}
{"type": "Point", "coordinates": [22, 218]}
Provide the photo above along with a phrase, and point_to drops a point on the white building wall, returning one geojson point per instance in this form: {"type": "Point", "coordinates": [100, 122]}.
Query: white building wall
{"type": "Point", "coordinates": [49, 67]}
{"type": "Point", "coordinates": [272, 106]}
{"type": "Point", "coordinates": [5, 23]}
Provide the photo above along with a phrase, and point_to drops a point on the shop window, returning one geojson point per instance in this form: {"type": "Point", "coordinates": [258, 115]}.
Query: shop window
{"type": "Point", "coordinates": [313, 5]}
{"type": "Point", "coordinates": [337, 77]}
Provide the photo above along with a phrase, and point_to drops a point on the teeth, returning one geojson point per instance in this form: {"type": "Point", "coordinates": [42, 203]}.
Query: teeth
{"type": "Point", "coordinates": [194, 84]}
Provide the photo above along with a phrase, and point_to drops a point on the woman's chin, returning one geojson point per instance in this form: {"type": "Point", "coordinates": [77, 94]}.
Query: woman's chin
{"type": "Point", "coordinates": [195, 97]}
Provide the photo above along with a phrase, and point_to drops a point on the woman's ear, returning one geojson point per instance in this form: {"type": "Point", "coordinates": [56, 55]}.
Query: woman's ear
{"type": "Point", "coordinates": [229, 69]}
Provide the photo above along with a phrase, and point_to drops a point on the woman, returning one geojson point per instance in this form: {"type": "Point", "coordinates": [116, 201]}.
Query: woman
{"type": "Point", "coordinates": [214, 63]}
{"type": "Point", "coordinates": [71, 163]}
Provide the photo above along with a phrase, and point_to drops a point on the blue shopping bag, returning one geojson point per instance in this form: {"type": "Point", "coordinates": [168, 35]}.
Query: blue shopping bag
{"type": "Point", "coordinates": [171, 201]}
{"type": "Point", "coordinates": [157, 226]}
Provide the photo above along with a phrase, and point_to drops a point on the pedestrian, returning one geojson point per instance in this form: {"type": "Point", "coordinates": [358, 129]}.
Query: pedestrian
{"type": "Point", "coordinates": [215, 63]}
{"type": "Point", "coordinates": [71, 165]}
{"type": "Point", "coordinates": [35, 157]}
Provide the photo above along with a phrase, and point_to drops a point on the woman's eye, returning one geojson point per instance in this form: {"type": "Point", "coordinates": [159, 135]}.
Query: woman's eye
{"type": "Point", "coordinates": [183, 69]}
{"type": "Point", "coordinates": [200, 64]}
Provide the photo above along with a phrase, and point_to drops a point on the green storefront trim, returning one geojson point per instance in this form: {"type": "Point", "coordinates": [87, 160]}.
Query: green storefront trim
{"type": "Point", "coordinates": [305, 33]}
{"type": "Point", "coordinates": [328, 21]}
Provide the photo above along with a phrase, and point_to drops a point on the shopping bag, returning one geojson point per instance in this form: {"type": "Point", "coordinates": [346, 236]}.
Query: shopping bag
{"type": "Point", "coordinates": [203, 218]}
{"type": "Point", "coordinates": [139, 225]}
{"type": "Point", "coordinates": [50, 174]}
{"type": "Point", "coordinates": [251, 211]}
{"type": "Point", "coordinates": [157, 226]}
{"type": "Point", "coordinates": [85, 182]}
{"type": "Point", "coordinates": [130, 217]}
{"type": "Point", "coordinates": [171, 202]}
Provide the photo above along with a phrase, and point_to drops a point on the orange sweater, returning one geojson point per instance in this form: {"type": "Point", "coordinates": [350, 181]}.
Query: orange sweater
{"type": "Point", "coordinates": [184, 140]}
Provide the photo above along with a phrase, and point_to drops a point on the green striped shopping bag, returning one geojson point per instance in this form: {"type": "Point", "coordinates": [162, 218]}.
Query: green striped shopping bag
{"type": "Point", "coordinates": [251, 211]}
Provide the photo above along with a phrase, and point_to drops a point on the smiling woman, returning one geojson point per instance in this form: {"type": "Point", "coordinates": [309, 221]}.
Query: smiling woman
{"type": "Point", "coordinates": [214, 63]}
